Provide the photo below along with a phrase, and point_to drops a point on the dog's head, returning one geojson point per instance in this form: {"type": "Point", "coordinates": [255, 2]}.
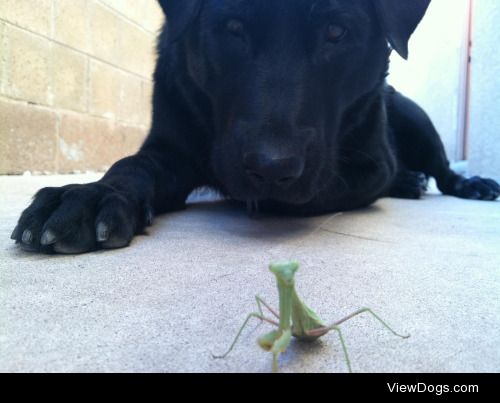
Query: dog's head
{"type": "Point", "coordinates": [280, 76]}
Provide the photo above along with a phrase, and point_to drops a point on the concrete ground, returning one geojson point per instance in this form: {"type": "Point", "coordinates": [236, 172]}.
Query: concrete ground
{"type": "Point", "coordinates": [430, 268]}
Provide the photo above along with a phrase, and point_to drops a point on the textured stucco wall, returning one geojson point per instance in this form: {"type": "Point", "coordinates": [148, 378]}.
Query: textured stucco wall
{"type": "Point", "coordinates": [433, 74]}
{"type": "Point", "coordinates": [484, 133]}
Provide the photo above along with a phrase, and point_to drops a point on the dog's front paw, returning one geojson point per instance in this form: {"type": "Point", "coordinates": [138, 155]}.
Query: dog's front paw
{"type": "Point", "coordinates": [79, 218]}
{"type": "Point", "coordinates": [477, 188]}
{"type": "Point", "coordinates": [409, 185]}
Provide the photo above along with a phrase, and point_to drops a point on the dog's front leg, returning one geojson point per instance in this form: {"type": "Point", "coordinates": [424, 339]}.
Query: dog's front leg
{"type": "Point", "coordinates": [107, 213]}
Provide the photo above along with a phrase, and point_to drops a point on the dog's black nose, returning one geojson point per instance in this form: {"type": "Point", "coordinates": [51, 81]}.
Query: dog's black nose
{"type": "Point", "coordinates": [264, 169]}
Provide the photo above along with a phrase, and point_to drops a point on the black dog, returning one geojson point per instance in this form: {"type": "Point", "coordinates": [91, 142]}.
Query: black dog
{"type": "Point", "coordinates": [277, 103]}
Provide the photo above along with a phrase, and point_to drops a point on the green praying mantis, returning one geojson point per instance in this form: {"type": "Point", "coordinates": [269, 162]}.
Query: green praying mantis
{"type": "Point", "coordinates": [295, 318]}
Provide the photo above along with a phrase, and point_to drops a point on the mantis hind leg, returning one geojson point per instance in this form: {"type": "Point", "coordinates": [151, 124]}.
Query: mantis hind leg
{"type": "Point", "coordinates": [378, 318]}
{"type": "Point", "coordinates": [323, 330]}
{"type": "Point", "coordinates": [259, 315]}
{"type": "Point", "coordinates": [335, 327]}
{"type": "Point", "coordinates": [344, 348]}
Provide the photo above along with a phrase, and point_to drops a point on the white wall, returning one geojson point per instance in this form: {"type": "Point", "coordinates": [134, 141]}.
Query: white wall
{"type": "Point", "coordinates": [433, 75]}
{"type": "Point", "coordinates": [484, 132]}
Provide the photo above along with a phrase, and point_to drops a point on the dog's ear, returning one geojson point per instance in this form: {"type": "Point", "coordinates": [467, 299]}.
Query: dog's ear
{"type": "Point", "coordinates": [179, 13]}
{"type": "Point", "coordinates": [399, 19]}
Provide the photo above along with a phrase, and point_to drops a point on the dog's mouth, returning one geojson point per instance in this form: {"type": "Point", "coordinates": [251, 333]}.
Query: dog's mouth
{"type": "Point", "coordinates": [253, 208]}
{"type": "Point", "coordinates": [240, 187]}
{"type": "Point", "coordinates": [254, 198]}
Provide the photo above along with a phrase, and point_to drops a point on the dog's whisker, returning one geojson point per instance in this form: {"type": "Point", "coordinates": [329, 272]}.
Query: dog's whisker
{"type": "Point", "coordinates": [363, 153]}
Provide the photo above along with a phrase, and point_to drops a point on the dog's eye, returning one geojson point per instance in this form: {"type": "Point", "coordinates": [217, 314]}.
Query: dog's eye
{"type": "Point", "coordinates": [235, 27]}
{"type": "Point", "coordinates": [335, 33]}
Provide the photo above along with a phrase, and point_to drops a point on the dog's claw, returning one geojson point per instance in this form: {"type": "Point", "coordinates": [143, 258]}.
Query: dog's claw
{"type": "Point", "coordinates": [27, 237]}
{"type": "Point", "coordinates": [149, 217]}
{"type": "Point", "coordinates": [15, 233]}
{"type": "Point", "coordinates": [102, 232]}
{"type": "Point", "coordinates": [48, 238]}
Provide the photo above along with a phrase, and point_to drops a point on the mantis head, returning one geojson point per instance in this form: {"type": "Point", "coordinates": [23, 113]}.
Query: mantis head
{"type": "Point", "coordinates": [284, 272]}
